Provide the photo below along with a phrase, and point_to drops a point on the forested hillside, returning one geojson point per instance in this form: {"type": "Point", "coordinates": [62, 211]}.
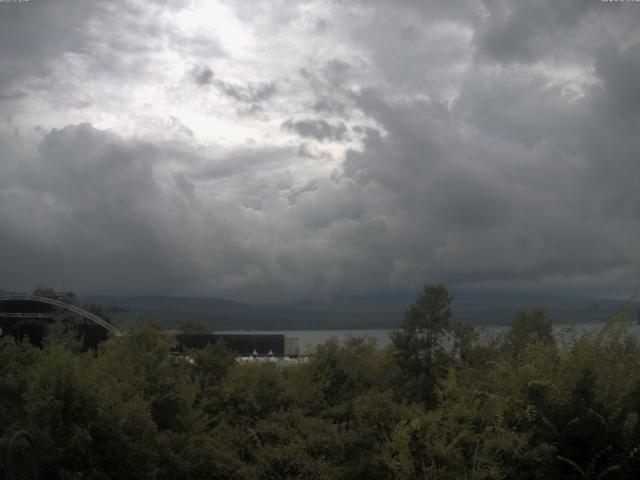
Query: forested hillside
{"type": "Point", "coordinates": [526, 405]}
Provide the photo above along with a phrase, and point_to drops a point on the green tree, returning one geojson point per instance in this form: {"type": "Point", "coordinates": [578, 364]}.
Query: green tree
{"type": "Point", "coordinates": [528, 327]}
{"type": "Point", "coordinates": [295, 446]}
{"type": "Point", "coordinates": [419, 343]}
{"type": "Point", "coordinates": [192, 327]}
{"type": "Point", "coordinates": [465, 340]}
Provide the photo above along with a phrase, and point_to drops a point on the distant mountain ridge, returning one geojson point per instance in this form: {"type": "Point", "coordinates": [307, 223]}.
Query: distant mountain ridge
{"type": "Point", "coordinates": [475, 307]}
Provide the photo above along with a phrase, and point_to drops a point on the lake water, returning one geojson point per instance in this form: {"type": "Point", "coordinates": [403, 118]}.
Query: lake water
{"type": "Point", "coordinates": [310, 339]}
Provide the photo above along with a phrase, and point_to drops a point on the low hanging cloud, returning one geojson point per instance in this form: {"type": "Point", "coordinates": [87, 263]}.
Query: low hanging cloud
{"type": "Point", "coordinates": [252, 94]}
{"type": "Point", "coordinates": [320, 130]}
{"type": "Point", "coordinates": [203, 76]}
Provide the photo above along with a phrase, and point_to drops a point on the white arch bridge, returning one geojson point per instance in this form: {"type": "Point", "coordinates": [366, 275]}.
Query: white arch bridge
{"type": "Point", "coordinates": [80, 312]}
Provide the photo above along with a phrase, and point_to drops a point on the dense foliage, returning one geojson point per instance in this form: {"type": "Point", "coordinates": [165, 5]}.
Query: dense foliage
{"type": "Point", "coordinates": [438, 404]}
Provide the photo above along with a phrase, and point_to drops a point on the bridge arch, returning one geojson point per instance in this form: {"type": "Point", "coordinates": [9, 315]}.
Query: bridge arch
{"type": "Point", "coordinates": [80, 312]}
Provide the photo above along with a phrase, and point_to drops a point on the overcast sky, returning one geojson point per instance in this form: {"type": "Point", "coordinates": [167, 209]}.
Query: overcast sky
{"type": "Point", "coordinates": [279, 150]}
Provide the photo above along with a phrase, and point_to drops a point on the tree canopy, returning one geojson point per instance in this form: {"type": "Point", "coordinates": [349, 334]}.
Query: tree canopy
{"type": "Point", "coordinates": [441, 402]}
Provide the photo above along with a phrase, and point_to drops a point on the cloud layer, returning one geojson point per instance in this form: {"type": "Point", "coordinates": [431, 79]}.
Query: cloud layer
{"type": "Point", "coordinates": [276, 150]}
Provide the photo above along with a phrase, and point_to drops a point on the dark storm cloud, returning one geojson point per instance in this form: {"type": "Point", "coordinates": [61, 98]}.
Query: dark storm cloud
{"type": "Point", "coordinates": [513, 198]}
{"type": "Point", "coordinates": [619, 69]}
{"type": "Point", "coordinates": [103, 217]}
{"type": "Point", "coordinates": [525, 32]}
{"type": "Point", "coordinates": [91, 200]}
{"type": "Point", "coordinates": [490, 144]}
{"type": "Point", "coordinates": [26, 37]}
{"type": "Point", "coordinates": [521, 30]}
{"type": "Point", "coordinates": [319, 129]}
{"type": "Point", "coordinates": [100, 219]}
